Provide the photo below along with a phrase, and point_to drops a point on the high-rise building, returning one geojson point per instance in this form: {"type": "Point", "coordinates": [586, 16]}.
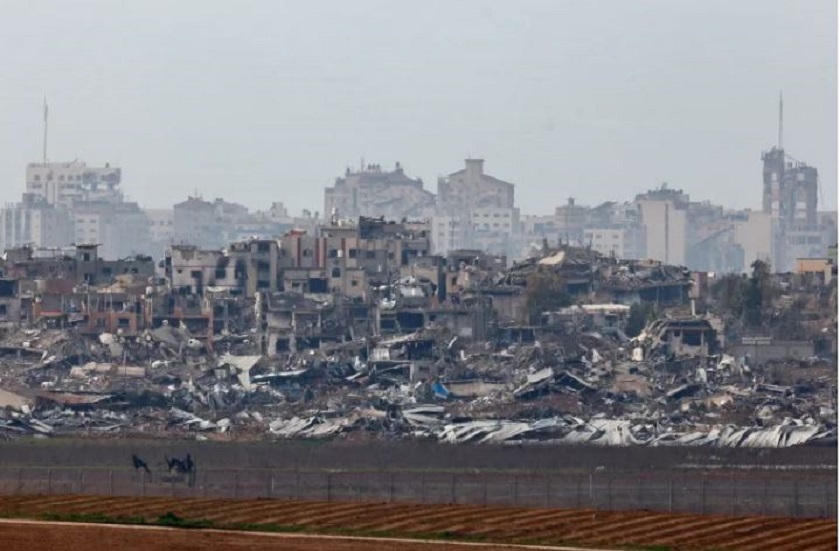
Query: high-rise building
{"type": "Point", "coordinates": [791, 188]}
{"type": "Point", "coordinates": [664, 215]}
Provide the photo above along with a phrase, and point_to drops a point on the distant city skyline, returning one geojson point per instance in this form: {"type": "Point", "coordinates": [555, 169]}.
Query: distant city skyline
{"type": "Point", "coordinates": [265, 102]}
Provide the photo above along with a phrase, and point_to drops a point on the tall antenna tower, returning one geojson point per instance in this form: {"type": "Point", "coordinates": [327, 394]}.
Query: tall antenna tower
{"type": "Point", "coordinates": [46, 117]}
{"type": "Point", "coordinates": [781, 120]}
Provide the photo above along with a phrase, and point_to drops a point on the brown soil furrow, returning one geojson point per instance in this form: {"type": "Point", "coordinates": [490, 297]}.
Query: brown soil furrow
{"type": "Point", "coordinates": [322, 517]}
{"type": "Point", "coordinates": [254, 514]}
{"type": "Point", "coordinates": [675, 531]}
{"type": "Point", "coordinates": [463, 523]}
{"type": "Point", "coordinates": [157, 509]}
{"type": "Point", "coordinates": [781, 535]}
{"type": "Point", "coordinates": [420, 522]}
{"type": "Point", "coordinates": [551, 520]}
{"type": "Point", "coordinates": [589, 528]}
{"type": "Point", "coordinates": [283, 515]}
{"type": "Point", "coordinates": [564, 530]}
{"type": "Point", "coordinates": [361, 515]}
{"type": "Point", "coordinates": [718, 534]}
{"type": "Point", "coordinates": [305, 514]}
{"type": "Point", "coordinates": [628, 524]}
{"type": "Point", "coordinates": [823, 542]}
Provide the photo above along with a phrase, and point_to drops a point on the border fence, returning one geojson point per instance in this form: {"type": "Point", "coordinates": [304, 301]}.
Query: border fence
{"type": "Point", "coordinates": [690, 493]}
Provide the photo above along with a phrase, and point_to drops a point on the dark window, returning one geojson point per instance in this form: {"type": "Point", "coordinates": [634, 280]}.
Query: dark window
{"type": "Point", "coordinates": [692, 338]}
{"type": "Point", "coordinates": [263, 247]}
{"type": "Point", "coordinates": [3, 310]}
{"type": "Point", "coordinates": [263, 284]}
{"type": "Point", "coordinates": [371, 254]}
{"type": "Point", "coordinates": [354, 283]}
{"type": "Point", "coordinates": [307, 252]}
{"type": "Point", "coordinates": [107, 271]}
{"type": "Point", "coordinates": [123, 322]}
{"type": "Point", "coordinates": [195, 274]}
{"type": "Point", "coordinates": [336, 272]}
{"type": "Point", "coordinates": [333, 253]}
{"type": "Point", "coordinates": [221, 273]}
{"type": "Point", "coordinates": [352, 253]}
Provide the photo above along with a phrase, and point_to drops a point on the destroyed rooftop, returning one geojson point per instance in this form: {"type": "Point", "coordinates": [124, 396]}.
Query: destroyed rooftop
{"type": "Point", "coordinates": [272, 341]}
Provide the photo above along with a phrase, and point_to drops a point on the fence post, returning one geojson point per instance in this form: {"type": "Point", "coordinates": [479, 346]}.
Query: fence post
{"type": "Point", "coordinates": [204, 486]}
{"type": "Point", "coordinates": [49, 482]}
{"type": "Point", "coordinates": [796, 498]}
{"type": "Point", "coordinates": [578, 497]}
{"type": "Point", "coordinates": [609, 493]}
{"type": "Point", "coordinates": [703, 496]}
{"type": "Point", "coordinates": [111, 482]}
{"type": "Point", "coordinates": [271, 485]}
{"type": "Point", "coordinates": [297, 483]}
{"type": "Point", "coordinates": [143, 483]}
{"type": "Point", "coordinates": [171, 485]}
{"type": "Point", "coordinates": [81, 482]}
{"type": "Point", "coordinates": [591, 500]}
{"type": "Point", "coordinates": [484, 479]}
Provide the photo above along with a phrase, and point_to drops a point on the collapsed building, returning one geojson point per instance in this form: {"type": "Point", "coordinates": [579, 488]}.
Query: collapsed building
{"type": "Point", "coordinates": [358, 332]}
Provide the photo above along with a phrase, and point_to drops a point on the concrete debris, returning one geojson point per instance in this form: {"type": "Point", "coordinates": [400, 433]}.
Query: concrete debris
{"type": "Point", "coordinates": [443, 351]}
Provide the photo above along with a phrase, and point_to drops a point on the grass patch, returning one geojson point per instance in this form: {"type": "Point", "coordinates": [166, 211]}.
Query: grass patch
{"type": "Point", "coordinates": [94, 518]}
{"type": "Point", "coordinates": [169, 520]}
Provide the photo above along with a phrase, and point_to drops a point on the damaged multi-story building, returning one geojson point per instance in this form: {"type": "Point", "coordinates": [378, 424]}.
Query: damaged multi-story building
{"type": "Point", "coordinates": [372, 191]}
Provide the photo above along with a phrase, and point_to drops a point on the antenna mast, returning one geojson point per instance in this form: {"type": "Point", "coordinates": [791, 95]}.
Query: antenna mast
{"type": "Point", "coordinates": [46, 113]}
{"type": "Point", "coordinates": [781, 120]}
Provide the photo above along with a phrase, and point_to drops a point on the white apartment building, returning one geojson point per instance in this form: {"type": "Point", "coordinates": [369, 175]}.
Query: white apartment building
{"type": "Point", "coordinates": [65, 183]}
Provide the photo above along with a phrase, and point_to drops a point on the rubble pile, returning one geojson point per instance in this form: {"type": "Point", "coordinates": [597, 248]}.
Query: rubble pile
{"type": "Point", "coordinates": [359, 333]}
{"type": "Point", "coordinates": [584, 388]}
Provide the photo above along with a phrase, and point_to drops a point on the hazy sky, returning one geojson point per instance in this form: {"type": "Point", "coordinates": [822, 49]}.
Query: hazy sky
{"type": "Point", "coordinates": [260, 101]}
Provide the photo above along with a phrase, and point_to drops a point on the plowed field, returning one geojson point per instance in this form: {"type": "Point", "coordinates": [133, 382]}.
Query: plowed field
{"type": "Point", "coordinates": [491, 524]}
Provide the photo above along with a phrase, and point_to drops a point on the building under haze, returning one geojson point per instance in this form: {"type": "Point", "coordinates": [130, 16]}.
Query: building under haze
{"type": "Point", "coordinates": [66, 183]}
{"type": "Point", "coordinates": [475, 210]}
{"type": "Point", "coordinates": [35, 222]}
{"type": "Point", "coordinates": [372, 191]}
{"type": "Point", "coordinates": [790, 198]}
{"type": "Point", "coordinates": [664, 214]}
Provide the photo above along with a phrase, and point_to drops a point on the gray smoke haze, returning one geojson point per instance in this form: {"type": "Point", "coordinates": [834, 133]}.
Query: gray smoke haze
{"type": "Point", "coordinates": [258, 101]}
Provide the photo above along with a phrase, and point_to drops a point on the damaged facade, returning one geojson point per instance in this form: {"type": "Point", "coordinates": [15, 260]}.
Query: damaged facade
{"type": "Point", "coordinates": [358, 331]}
